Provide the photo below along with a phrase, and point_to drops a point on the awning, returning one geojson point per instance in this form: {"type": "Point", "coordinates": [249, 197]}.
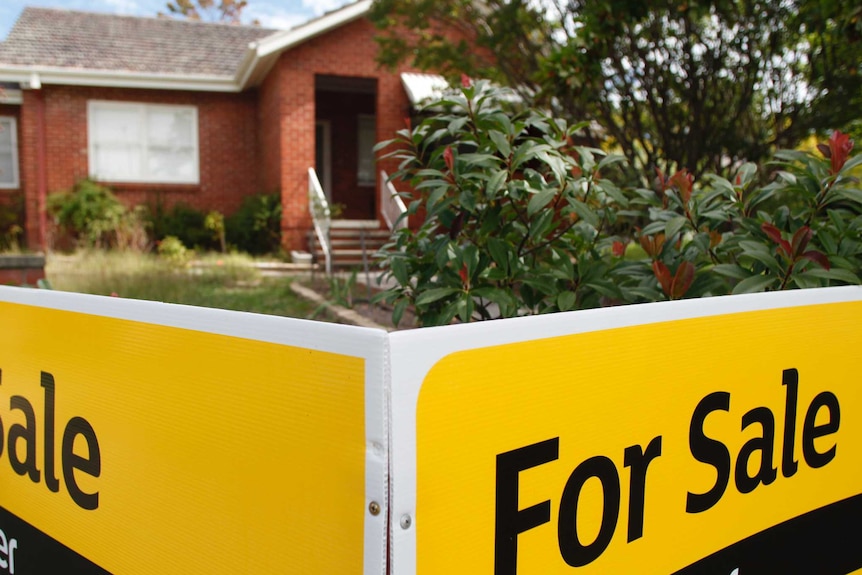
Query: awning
{"type": "Point", "coordinates": [421, 88]}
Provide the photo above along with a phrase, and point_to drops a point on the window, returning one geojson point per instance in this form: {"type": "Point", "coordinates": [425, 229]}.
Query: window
{"type": "Point", "coordinates": [143, 143]}
{"type": "Point", "coordinates": [367, 139]}
{"type": "Point", "coordinates": [8, 152]}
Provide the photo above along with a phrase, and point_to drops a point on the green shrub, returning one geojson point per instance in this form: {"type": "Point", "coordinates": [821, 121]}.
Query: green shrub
{"type": "Point", "coordinates": [90, 212]}
{"type": "Point", "coordinates": [183, 222]}
{"type": "Point", "coordinates": [519, 221]}
{"type": "Point", "coordinates": [11, 224]}
{"type": "Point", "coordinates": [172, 249]}
{"type": "Point", "coordinates": [256, 226]}
{"type": "Point", "coordinates": [214, 222]}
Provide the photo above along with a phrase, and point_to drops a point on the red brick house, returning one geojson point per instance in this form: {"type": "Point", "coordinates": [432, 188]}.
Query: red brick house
{"type": "Point", "coordinates": [200, 113]}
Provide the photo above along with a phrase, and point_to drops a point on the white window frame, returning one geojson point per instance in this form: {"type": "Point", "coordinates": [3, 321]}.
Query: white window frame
{"type": "Point", "coordinates": [16, 176]}
{"type": "Point", "coordinates": [142, 110]}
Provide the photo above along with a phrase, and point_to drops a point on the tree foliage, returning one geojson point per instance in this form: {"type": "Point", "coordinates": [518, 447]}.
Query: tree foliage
{"type": "Point", "coordinates": [518, 220]}
{"type": "Point", "coordinates": [701, 85]}
{"type": "Point", "coordinates": [225, 11]}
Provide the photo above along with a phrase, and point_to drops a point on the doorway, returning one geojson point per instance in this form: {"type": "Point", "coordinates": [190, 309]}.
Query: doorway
{"type": "Point", "coordinates": [345, 134]}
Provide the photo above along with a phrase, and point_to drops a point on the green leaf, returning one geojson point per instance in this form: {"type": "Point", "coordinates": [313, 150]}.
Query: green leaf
{"type": "Point", "coordinates": [540, 200]}
{"type": "Point", "coordinates": [732, 271]}
{"type": "Point", "coordinates": [584, 212]}
{"type": "Point", "coordinates": [435, 294]}
{"type": "Point", "coordinates": [495, 183]}
{"type": "Point", "coordinates": [437, 194]}
{"type": "Point", "coordinates": [673, 226]}
{"type": "Point", "coordinates": [852, 194]}
{"type": "Point", "coordinates": [501, 142]}
{"type": "Point", "coordinates": [566, 300]}
{"type": "Point", "coordinates": [497, 295]}
{"type": "Point", "coordinates": [610, 160]}
{"type": "Point", "coordinates": [834, 274]}
{"type": "Point", "coordinates": [398, 311]}
{"type": "Point", "coordinates": [499, 252]}
{"type": "Point", "coordinates": [399, 270]}
{"type": "Point", "coordinates": [755, 284]}
{"type": "Point", "coordinates": [540, 225]}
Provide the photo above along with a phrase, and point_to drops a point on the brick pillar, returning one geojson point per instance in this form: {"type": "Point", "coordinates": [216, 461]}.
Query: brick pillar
{"type": "Point", "coordinates": [297, 144]}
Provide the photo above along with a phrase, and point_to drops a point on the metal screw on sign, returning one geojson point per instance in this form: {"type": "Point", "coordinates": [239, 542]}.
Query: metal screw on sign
{"type": "Point", "coordinates": [406, 521]}
{"type": "Point", "coordinates": [374, 508]}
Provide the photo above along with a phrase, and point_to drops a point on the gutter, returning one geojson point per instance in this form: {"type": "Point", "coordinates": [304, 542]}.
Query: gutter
{"type": "Point", "coordinates": [117, 79]}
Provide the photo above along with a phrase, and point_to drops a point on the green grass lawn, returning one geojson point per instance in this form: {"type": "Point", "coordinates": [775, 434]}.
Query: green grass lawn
{"type": "Point", "coordinates": [219, 281]}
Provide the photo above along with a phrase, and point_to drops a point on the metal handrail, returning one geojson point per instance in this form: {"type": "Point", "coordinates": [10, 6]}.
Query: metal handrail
{"type": "Point", "coordinates": [321, 216]}
{"type": "Point", "coordinates": [391, 205]}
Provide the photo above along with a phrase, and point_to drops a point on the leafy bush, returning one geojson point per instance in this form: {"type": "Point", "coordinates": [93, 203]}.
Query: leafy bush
{"type": "Point", "coordinates": [183, 222]}
{"type": "Point", "coordinates": [520, 221]}
{"type": "Point", "coordinates": [172, 249]}
{"type": "Point", "coordinates": [11, 223]}
{"type": "Point", "coordinates": [256, 226]}
{"type": "Point", "coordinates": [214, 222]}
{"type": "Point", "coordinates": [90, 212]}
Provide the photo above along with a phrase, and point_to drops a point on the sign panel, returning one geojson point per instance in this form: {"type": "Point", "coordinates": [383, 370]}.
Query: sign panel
{"type": "Point", "coordinates": [711, 436]}
{"type": "Point", "coordinates": [148, 438]}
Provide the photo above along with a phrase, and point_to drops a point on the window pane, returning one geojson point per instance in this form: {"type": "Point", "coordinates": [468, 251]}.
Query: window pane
{"type": "Point", "coordinates": [7, 169]}
{"type": "Point", "coordinates": [143, 143]}
{"type": "Point", "coordinates": [113, 125]}
{"type": "Point", "coordinates": [170, 127]}
{"type": "Point", "coordinates": [367, 137]}
{"type": "Point", "coordinates": [121, 162]}
{"type": "Point", "coordinates": [8, 154]}
{"type": "Point", "coordinates": [171, 164]}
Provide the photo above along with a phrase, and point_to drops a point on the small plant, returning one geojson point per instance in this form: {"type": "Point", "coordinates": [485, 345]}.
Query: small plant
{"type": "Point", "coordinates": [90, 212]}
{"type": "Point", "coordinates": [171, 248]}
{"type": "Point", "coordinates": [256, 226]}
{"type": "Point", "coordinates": [181, 221]}
{"type": "Point", "coordinates": [214, 222]}
{"type": "Point", "coordinates": [12, 224]}
{"type": "Point", "coordinates": [132, 233]}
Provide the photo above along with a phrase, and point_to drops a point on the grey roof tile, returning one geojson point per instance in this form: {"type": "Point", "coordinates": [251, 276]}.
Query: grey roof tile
{"type": "Point", "coordinates": [89, 41]}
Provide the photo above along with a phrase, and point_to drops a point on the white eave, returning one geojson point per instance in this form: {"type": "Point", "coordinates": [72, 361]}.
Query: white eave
{"type": "Point", "coordinates": [116, 79]}
{"type": "Point", "coordinates": [261, 55]}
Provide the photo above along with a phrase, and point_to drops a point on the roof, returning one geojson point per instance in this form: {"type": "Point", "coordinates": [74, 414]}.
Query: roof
{"type": "Point", "coordinates": [54, 46]}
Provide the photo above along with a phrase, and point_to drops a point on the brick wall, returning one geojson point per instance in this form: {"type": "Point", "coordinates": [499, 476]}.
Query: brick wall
{"type": "Point", "coordinates": [349, 51]}
{"type": "Point", "coordinates": [228, 147]}
{"type": "Point", "coordinates": [269, 132]}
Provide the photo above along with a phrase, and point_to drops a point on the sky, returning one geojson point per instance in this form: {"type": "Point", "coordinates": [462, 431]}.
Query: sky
{"type": "Point", "coordinates": [271, 13]}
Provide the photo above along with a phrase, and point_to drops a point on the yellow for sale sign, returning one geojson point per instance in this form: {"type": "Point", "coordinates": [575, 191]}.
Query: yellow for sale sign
{"type": "Point", "coordinates": [136, 447]}
{"type": "Point", "coordinates": [727, 443]}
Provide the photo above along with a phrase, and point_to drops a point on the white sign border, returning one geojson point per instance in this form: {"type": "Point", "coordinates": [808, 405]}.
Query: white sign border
{"type": "Point", "coordinates": [366, 343]}
{"type": "Point", "coordinates": [413, 354]}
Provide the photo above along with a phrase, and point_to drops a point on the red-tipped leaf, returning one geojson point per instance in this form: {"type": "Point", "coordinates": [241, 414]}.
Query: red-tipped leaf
{"type": "Point", "coordinates": [800, 240]}
{"type": "Point", "coordinates": [465, 277]}
{"type": "Point", "coordinates": [449, 159]}
{"type": "Point", "coordinates": [662, 274]}
{"type": "Point", "coordinates": [682, 280]}
{"type": "Point", "coordinates": [684, 182]}
{"type": "Point", "coordinates": [818, 258]}
{"type": "Point", "coordinates": [775, 235]}
{"type": "Point", "coordinates": [840, 145]}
